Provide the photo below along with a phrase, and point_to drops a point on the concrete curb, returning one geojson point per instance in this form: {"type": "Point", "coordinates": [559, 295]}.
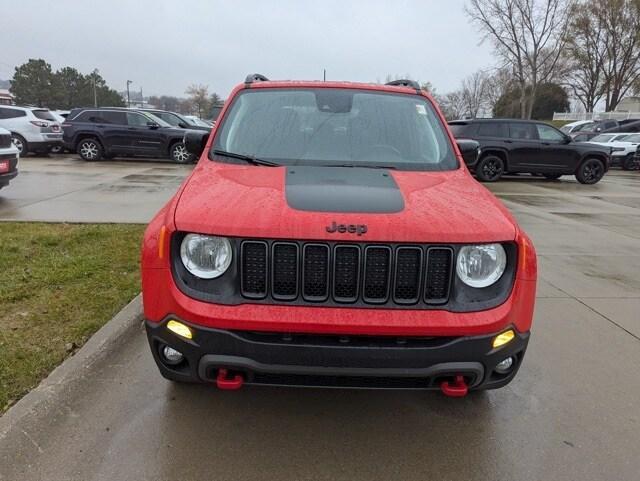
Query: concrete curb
{"type": "Point", "coordinates": [45, 395]}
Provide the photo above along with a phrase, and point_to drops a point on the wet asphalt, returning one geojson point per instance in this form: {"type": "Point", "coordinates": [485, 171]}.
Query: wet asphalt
{"type": "Point", "coordinates": [572, 413]}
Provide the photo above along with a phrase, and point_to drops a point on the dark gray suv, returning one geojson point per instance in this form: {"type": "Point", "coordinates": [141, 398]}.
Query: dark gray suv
{"type": "Point", "coordinates": [527, 146]}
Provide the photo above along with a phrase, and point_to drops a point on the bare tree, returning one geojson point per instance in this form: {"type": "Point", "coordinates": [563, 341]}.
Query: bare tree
{"type": "Point", "coordinates": [498, 84]}
{"type": "Point", "coordinates": [452, 105]}
{"type": "Point", "coordinates": [474, 89]}
{"type": "Point", "coordinates": [529, 36]}
{"type": "Point", "coordinates": [585, 56]}
{"type": "Point", "coordinates": [199, 97]}
{"type": "Point", "coordinates": [621, 24]}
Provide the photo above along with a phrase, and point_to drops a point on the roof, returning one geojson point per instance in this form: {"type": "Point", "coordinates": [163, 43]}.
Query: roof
{"type": "Point", "coordinates": [330, 84]}
{"type": "Point", "coordinates": [478, 121]}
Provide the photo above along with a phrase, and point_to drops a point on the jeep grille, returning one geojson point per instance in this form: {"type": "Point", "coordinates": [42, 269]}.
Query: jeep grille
{"type": "Point", "coordinates": [345, 273]}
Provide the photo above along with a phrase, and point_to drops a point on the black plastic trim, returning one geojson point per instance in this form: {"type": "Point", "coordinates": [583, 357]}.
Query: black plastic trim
{"type": "Point", "coordinates": [255, 77]}
{"type": "Point", "coordinates": [304, 251]}
{"type": "Point", "coordinates": [335, 256]}
{"type": "Point", "coordinates": [252, 295]}
{"type": "Point", "coordinates": [331, 360]}
{"type": "Point", "coordinates": [376, 300]}
{"type": "Point", "coordinates": [420, 287]}
{"type": "Point", "coordinates": [281, 297]}
{"type": "Point", "coordinates": [441, 300]}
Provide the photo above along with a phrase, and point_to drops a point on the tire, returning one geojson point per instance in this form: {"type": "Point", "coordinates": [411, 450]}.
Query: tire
{"type": "Point", "coordinates": [90, 149]}
{"type": "Point", "coordinates": [21, 144]}
{"type": "Point", "coordinates": [629, 162]}
{"type": "Point", "coordinates": [489, 168]}
{"type": "Point", "coordinates": [178, 153]}
{"type": "Point", "coordinates": [552, 176]}
{"type": "Point", "coordinates": [590, 171]}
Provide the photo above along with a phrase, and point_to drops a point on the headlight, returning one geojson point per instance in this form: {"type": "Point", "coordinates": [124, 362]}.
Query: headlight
{"type": "Point", "coordinates": [205, 256]}
{"type": "Point", "coordinates": [481, 265]}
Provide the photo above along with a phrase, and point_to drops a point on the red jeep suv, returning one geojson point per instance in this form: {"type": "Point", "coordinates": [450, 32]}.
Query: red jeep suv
{"type": "Point", "coordinates": [331, 235]}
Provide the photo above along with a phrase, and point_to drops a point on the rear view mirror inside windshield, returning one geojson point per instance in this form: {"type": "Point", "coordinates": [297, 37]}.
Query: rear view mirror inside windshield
{"type": "Point", "coordinates": [334, 101]}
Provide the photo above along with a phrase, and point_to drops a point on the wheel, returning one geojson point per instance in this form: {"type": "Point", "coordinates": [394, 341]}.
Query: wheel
{"type": "Point", "coordinates": [21, 144]}
{"type": "Point", "coordinates": [490, 168]}
{"type": "Point", "coordinates": [552, 176]}
{"type": "Point", "coordinates": [590, 171]}
{"type": "Point", "coordinates": [90, 149]}
{"type": "Point", "coordinates": [179, 153]}
{"type": "Point", "coordinates": [629, 162]}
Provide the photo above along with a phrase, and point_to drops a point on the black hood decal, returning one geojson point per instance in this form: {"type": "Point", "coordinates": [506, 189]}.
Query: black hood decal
{"type": "Point", "coordinates": [342, 189]}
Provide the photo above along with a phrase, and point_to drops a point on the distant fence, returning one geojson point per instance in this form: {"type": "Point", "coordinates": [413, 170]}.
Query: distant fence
{"type": "Point", "coordinates": [595, 115]}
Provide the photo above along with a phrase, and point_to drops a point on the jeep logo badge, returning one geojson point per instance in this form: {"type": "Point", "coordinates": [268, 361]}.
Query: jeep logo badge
{"type": "Point", "coordinates": [358, 229]}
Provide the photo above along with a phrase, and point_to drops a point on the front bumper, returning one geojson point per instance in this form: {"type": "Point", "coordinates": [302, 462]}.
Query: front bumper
{"type": "Point", "coordinates": [386, 362]}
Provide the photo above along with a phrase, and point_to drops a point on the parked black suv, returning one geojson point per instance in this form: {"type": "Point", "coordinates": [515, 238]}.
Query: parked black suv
{"type": "Point", "coordinates": [514, 146]}
{"type": "Point", "coordinates": [95, 133]}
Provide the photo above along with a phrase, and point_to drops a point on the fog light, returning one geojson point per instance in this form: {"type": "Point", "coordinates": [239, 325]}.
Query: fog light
{"type": "Point", "coordinates": [504, 338]}
{"type": "Point", "coordinates": [180, 329]}
{"type": "Point", "coordinates": [505, 365]}
{"type": "Point", "coordinates": [171, 355]}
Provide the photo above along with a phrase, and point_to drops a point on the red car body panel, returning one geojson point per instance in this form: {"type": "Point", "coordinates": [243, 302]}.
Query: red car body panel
{"type": "Point", "coordinates": [249, 201]}
{"type": "Point", "coordinates": [438, 208]}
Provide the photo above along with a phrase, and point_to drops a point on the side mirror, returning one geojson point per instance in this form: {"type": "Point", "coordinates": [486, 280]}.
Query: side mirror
{"type": "Point", "coordinates": [195, 141]}
{"type": "Point", "coordinates": [152, 125]}
{"type": "Point", "coordinates": [182, 125]}
{"type": "Point", "coordinates": [470, 150]}
{"type": "Point", "coordinates": [567, 139]}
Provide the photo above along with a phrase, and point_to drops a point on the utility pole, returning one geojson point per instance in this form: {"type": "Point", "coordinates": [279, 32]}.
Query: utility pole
{"type": "Point", "coordinates": [141, 98]}
{"type": "Point", "coordinates": [129, 82]}
{"type": "Point", "coordinates": [324, 75]}
{"type": "Point", "coordinates": [95, 91]}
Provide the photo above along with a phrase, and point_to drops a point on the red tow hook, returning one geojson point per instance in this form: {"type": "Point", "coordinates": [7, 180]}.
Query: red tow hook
{"type": "Point", "coordinates": [228, 384]}
{"type": "Point", "coordinates": [459, 388]}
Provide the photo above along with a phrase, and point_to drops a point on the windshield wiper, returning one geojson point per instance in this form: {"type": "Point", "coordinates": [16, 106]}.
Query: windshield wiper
{"type": "Point", "coordinates": [247, 158]}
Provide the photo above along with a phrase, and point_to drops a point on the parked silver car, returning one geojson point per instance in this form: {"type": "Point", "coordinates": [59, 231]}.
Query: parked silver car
{"type": "Point", "coordinates": [33, 129]}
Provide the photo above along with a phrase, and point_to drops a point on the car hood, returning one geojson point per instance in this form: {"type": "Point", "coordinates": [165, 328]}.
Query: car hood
{"type": "Point", "coordinates": [586, 145]}
{"type": "Point", "coordinates": [177, 131]}
{"type": "Point", "coordinates": [314, 202]}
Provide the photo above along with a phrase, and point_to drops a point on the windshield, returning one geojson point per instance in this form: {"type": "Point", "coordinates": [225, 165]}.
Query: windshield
{"type": "Point", "coordinates": [169, 118]}
{"type": "Point", "coordinates": [566, 129]}
{"type": "Point", "coordinates": [156, 119]}
{"type": "Point", "coordinates": [602, 138]}
{"type": "Point", "coordinates": [197, 121]}
{"type": "Point", "coordinates": [336, 127]}
{"type": "Point", "coordinates": [584, 127]}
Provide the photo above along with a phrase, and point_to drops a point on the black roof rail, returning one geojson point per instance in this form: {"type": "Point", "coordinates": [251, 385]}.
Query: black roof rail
{"type": "Point", "coordinates": [255, 77]}
{"type": "Point", "coordinates": [405, 83]}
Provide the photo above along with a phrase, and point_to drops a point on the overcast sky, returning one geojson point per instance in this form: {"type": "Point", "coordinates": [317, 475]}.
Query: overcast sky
{"type": "Point", "coordinates": [164, 46]}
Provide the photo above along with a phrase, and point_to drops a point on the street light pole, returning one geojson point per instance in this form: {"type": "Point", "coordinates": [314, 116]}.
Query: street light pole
{"type": "Point", "coordinates": [95, 93]}
{"type": "Point", "coordinates": [94, 74]}
{"type": "Point", "coordinates": [128, 96]}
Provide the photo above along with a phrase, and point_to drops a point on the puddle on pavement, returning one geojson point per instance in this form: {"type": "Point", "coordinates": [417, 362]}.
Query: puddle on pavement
{"type": "Point", "coordinates": [626, 201]}
{"type": "Point", "coordinates": [153, 179]}
{"type": "Point", "coordinates": [137, 187]}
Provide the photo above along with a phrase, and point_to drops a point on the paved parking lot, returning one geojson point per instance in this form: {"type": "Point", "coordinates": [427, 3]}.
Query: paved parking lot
{"type": "Point", "coordinates": [573, 412]}
{"type": "Point", "coordinates": [68, 189]}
